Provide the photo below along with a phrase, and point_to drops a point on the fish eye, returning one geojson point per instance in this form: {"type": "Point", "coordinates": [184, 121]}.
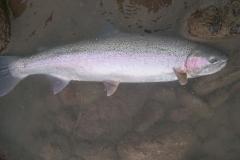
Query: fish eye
{"type": "Point", "coordinates": [213, 60]}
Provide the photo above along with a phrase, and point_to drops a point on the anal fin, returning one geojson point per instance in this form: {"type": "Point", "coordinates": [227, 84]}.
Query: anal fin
{"type": "Point", "coordinates": [57, 83]}
{"type": "Point", "coordinates": [111, 86]}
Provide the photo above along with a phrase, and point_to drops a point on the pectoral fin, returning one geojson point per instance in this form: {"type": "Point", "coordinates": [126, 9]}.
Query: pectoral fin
{"type": "Point", "coordinates": [111, 86]}
{"type": "Point", "coordinates": [57, 83]}
{"type": "Point", "coordinates": [182, 77]}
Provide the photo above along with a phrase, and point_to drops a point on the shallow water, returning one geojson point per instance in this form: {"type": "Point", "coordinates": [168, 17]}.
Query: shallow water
{"type": "Point", "coordinates": [140, 121]}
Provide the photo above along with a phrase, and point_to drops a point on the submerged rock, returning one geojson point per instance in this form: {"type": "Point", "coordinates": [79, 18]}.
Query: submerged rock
{"type": "Point", "coordinates": [96, 151]}
{"type": "Point", "coordinates": [218, 98]}
{"type": "Point", "coordinates": [53, 146]}
{"type": "Point", "coordinates": [164, 142]}
{"type": "Point", "coordinates": [180, 114]}
{"type": "Point", "coordinates": [3, 155]}
{"type": "Point", "coordinates": [216, 22]}
{"type": "Point", "coordinates": [202, 129]}
{"type": "Point", "coordinates": [217, 145]}
{"type": "Point", "coordinates": [150, 113]}
{"type": "Point", "coordinates": [197, 105]}
{"type": "Point", "coordinates": [5, 28]}
{"type": "Point", "coordinates": [104, 119]}
{"type": "Point", "coordinates": [235, 114]}
{"type": "Point", "coordinates": [167, 96]}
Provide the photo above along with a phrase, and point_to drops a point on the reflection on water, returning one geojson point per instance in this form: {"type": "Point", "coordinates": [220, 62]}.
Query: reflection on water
{"type": "Point", "coordinates": [140, 121]}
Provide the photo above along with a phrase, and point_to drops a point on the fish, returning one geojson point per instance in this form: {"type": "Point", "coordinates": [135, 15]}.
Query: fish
{"type": "Point", "coordinates": [114, 59]}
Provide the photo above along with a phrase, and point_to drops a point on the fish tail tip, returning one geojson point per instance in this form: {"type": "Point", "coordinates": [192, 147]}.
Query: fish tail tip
{"type": "Point", "coordinates": [7, 81]}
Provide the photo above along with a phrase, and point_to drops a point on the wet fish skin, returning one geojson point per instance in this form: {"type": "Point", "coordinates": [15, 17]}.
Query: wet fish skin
{"type": "Point", "coordinates": [115, 59]}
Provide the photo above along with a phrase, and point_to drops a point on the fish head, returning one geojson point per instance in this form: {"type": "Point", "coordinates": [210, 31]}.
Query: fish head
{"type": "Point", "coordinates": [205, 60]}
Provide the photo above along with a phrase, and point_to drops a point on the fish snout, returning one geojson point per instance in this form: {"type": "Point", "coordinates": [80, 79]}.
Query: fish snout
{"type": "Point", "coordinates": [224, 57]}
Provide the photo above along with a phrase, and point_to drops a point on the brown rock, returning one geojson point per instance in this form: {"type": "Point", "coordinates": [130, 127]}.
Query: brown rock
{"type": "Point", "coordinates": [202, 129]}
{"type": "Point", "coordinates": [216, 23]}
{"type": "Point", "coordinates": [74, 158]}
{"type": "Point", "coordinates": [218, 98]}
{"type": "Point", "coordinates": [224, 145]}
{"type": "Point", "coordinates": [110, 117]}
{"type": "Point", "coordinates": [219, 118]}
{"type": "Point", "coordinates": [205, 158]}
{"type": "Point", "coordinates": [67, 118]}
{"type": "Point", "coordinates": [133, 96]}
{"type": "Point", "coordinates": [103, 119]}
{"type": "Point", "coordinates": [53, 146]}
{"type": "Point", "coordinates": [67, 95]}
{"type": "Point", "coordinates": [235, 89]}
{"type": "Point", "coordinates": [3, 155]}
{"type": "Point", "coordinates": [235, 114]}
{"type": "Point", "coordinates": [81, 93]}
{"type": "Point", "coordinates": [96, 151]}
{"type": "Point", "coordinates": [62, 115]}
{"type": "Point", "coordinates": [214, 147]}
{"type": "Point", "coordinates": [88, 92]}
{"type": "Point", "coordinates": [225, 133]}
{"type": "Point", "coordinates": [5, 28]}
{"type": "Point", "coordinates": [192, 102]}
{"type": "Point", "coordinates": [180, 114]}
{"type": "Point", "coordinates": [53, 104]}
{"type": "Point", "coordinates": [219, 142]}
{"type": "Point", "coordinates": [150, 113]}
{"type": "Point", "coordinates": [167, 96]}
{"type": "Point", "coordinates": [157, 144]}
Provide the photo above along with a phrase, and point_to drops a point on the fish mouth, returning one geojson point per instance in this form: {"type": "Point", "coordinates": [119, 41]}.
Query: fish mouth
{"type": "Point", "coordinates": [223, 64]}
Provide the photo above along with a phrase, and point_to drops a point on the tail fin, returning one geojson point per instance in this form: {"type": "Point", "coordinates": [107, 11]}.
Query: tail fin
{"type": "Point", "coordinates": [7, 81]}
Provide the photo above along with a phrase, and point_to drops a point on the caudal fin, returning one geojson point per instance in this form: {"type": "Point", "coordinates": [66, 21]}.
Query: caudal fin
{"type": "Point", "coordinates": [7, 81]}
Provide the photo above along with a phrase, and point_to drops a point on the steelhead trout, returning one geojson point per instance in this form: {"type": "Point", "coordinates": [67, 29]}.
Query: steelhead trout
{"type": "Point", "coordinates": [114, 59]}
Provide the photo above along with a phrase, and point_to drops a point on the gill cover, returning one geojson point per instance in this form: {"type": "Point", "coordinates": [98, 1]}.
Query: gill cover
{"type": "Point", "coordinates": [195, 62]}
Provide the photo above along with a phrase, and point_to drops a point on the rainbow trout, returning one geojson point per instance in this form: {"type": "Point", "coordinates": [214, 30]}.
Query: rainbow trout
{"type": "Point", "coordinates": [114, 59]}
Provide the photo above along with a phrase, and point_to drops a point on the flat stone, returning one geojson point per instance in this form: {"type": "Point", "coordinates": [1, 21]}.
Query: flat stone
{"type": "Point", "coordinates": [166, 96]}
{"type": "Point", "coordinates": [96, 151]}
{"type": "Point", "coordinates": [104, 119]}
{"type": "Point", "coordinates": [180, 114]}
{"type": "Point", "coordinates": [3, 155]}
{"type": "Point", "coordinates": [194, 103]}
{"type": "Point", "coordinates": [53, 146]}
{"type": "Point", "coordinates": [157, 145]}
{"type": "Point", "coordinates": [218, 98]}
{"type": "Point", "coordinates": [150, 113]}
